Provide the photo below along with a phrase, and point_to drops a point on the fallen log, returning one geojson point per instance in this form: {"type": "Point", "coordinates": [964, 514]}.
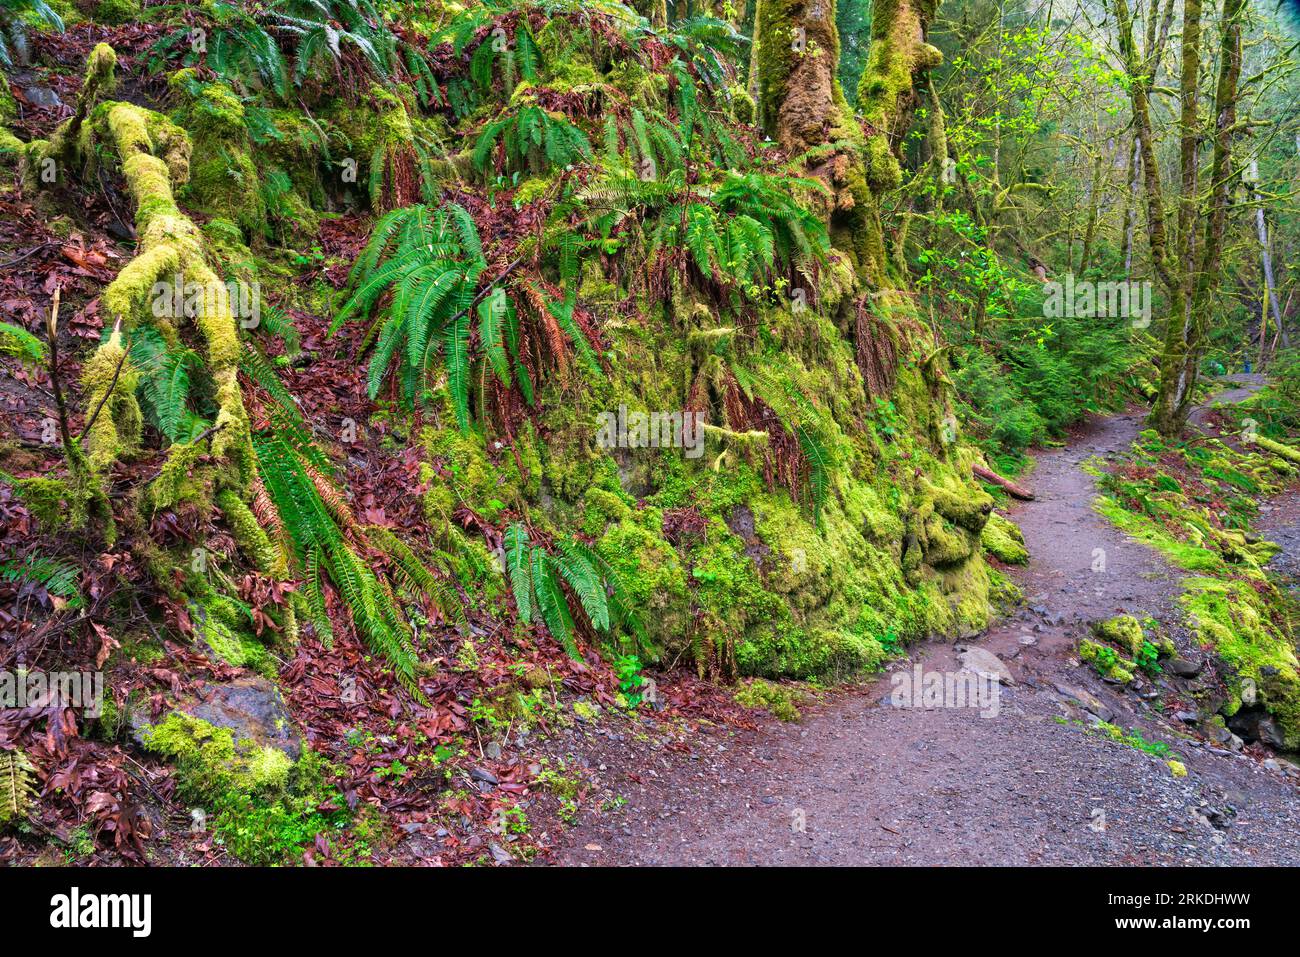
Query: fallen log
{"type": "Point", "coordinates": [1011, 488]}
{"type": "Point", "coordinates": [1277, 448]}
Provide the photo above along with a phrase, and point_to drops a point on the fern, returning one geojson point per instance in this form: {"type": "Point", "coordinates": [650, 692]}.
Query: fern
{"type": "Point", "coordinates": [17, 341]}
{"type": "Point", "coordinates": [419, 273]}
{"type": "Point", "coordinates": [538, 579]}
{"type": "Point", "coordinates": [531, 140]}
{"type": "Point", "coordinates": [750, 227]}
{"type": "Point", "coordinates": [56, 576]}
{"type": "Point", "coordinates": [17, 787]}
{"type": "Point", "coordinates": [315, 520]}
{"type": "Point", "coordinates": [15, 17]}
{"type": "Point", "coordinates": [430, 261]}
{"type": "Point", "coordinates": [165, 383]}
{"type": "Point", "coordinates": [818, 459]}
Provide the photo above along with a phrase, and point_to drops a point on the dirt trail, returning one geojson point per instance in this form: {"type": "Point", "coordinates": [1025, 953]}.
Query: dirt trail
{"type": "Point", "coordinates": [860, 781]}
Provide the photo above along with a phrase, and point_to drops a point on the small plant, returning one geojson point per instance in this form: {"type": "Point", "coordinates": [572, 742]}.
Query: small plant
{"type": "Point", "coordinates": [630, 679]}
{"type": "Point", "coordinates": [1148, 658]}
{"type": "Point", "coordinates": [1134, 739]}
{"type": "Point", "coordinates": [485, 713]}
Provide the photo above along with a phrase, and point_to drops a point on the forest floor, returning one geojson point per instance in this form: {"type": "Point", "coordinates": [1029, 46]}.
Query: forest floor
{"type": "Point", "coordinates": [861, 781]}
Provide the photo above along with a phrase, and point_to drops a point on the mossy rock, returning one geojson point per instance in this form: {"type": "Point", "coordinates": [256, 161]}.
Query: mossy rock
{"type": "Point", "coordinates": [211, 761]}
{"type": "Point", "coordinates": [1002, 539]}
{"type": "Point", "coordinates": [1106, 662]}
{"type": "Point", "coordinates": [780, 700]}
{"type": "Point", "coordinates": [1123, 631]}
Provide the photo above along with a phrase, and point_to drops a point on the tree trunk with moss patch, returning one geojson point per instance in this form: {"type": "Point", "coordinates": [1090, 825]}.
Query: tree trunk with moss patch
{"type": "Point", "coordinates": [154, 155]}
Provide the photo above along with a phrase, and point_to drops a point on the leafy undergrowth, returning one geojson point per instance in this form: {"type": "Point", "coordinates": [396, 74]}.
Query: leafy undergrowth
{"type": "Point", "coordinates": [405, 495]}
{"type": "Point", "coordinates": [1195, 502]}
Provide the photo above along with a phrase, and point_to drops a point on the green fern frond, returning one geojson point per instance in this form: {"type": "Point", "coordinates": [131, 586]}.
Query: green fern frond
{"type": "Point", "coordinates": [56, 576]}
{"type": "Point", "coordinates": [17, 787]}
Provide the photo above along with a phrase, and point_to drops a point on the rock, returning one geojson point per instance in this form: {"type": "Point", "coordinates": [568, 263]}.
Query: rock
{"type": "Point", "coordinates": [492, 751]}
{"type": "Point", "coordinates": [484, 776]}
{"type": "Point", "coordinates": [1186, 717]}
{"type": "Point", "coordinates": [1271, 765]}
{"type": "Point", "coordinates": [252, 708]}
{"type": "Point", "coordinates": [1186, 667]}
{"type": "Point", "coordinates": [1087, 701]}
{"type": "Point", "coordinates": [984, 662]}
{"type": "Point", "coordinates": [500, 854]}
{"type": "Point", "coordinates": [41, 97]}
{"type": "Point", "coordinates": [1257, 725]}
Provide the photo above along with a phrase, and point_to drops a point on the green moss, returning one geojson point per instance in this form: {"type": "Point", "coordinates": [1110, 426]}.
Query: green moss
{"type": "Point", "coordinates": [1002, 539]}
{"type": "Point", "coordinates": [116, 12]}
{"type": "Point", "coordinates": [8, 105]}
{"type": "Point", "coordinates": [1106, 662]}
{"type": "Point", "coordinates": [780, 700]}
{"type": "Point", "coordinates": [264, 806]}
{"type": "Point", "coordinates": [250, 536]}
{"type": "Point", "coordinates": [1233, 618]}
{"type": "Point", "coordinates": [224, 180]}
{"type": "Point", "coordinates": [1185, 555]}
{"type": "Point", "coordinates": [1122, 631]}
{"type": "Point", "coordinates": [110, 381]}
{"type": "Point", "coordinates": [653, 574]}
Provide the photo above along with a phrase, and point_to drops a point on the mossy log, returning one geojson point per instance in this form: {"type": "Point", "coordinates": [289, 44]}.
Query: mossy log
{"type": "Point", "coordinates": [154, 154]}
{"type": "Point", "coordinates": [1278, 449]}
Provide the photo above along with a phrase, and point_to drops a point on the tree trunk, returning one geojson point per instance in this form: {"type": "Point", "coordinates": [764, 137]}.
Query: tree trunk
{"type": "Point", "coordinates": [1180, 353]}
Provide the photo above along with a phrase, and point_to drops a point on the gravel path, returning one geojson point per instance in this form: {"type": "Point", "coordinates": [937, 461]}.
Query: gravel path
{"type": "Point", "coordinates": [861, 781]}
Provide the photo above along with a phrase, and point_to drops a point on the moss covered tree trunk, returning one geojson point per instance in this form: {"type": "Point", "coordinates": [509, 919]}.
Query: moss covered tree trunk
{"type": "Point", "coordinates": [154, 156]}
{"type": "Point", "coordinates": [802, 107]}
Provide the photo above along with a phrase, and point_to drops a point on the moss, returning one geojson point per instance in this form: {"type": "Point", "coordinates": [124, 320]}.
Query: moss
{"type": "Point", "coordinates": [743, 108]}
{"type": "Point", "coordinates": [780, 700]}
{"type": "Point", "coordinates": [1188, 556]}
{"type": "Point", "coordinates": [1106, 662]}
{"type": "Point", "coordinates": [52, 501]}
{"type": "Point", "coordinates": [264, 806]}
{"type": "Point", "coordinates": [468, 475]}
{"type": "Point", "coordinates": [382, 140]}
{"type": "Point", "coordinates": [1233, 618]}
{"type": "Point", "coordinates": [116, 12]}
{"type": "Point", "coordinates": [1177, 768]}
{"type": "Point", "coordinates": [250, 536]}
{"type": "Point", "coordinates": [653, 575]}
{"type": "Point", "coordinates": [110, 382]}
{"type": "Point", "coordinates": [1278, 448]}
{"type": "Point", "coordinates": [1123, 631]}
{"type": "Point", "coordinates": [209, 762]}
{"type": "Point", "coordinates": [1002, 539]}
{"type": "Point", "coordinates": [223, 180]}
{"type": "Point", "coordinates": [169, 243]}
{"type": "Point", "coordinates": [67, 146]}
{"type": "Point", "coordinates": [8, 105]}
